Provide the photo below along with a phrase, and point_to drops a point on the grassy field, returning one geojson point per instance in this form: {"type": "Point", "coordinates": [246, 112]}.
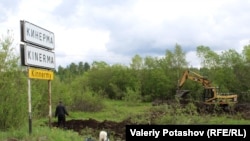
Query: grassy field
{"type": "Point", "coordinates": [118, 111]}
{"type": "Point", "coordinates": [114, 110]}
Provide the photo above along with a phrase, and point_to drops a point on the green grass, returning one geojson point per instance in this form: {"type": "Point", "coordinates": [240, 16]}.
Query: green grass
{"type": "Point", "coordinates": [117, 111]}
{"type": "Point", "coordinates": [114, 110]}
{"type": "Point", "coordinates": [39, 132]}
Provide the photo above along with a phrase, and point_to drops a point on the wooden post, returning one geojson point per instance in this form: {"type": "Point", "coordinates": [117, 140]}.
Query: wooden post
{"type": "Point", "coordinates": [50, 107]}
{"type": "Point", "coordinates": [29, 105]}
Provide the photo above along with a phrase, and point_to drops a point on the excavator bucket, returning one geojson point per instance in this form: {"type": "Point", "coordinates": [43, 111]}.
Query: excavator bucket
{"type": "Point", "coordinates": [182, 93]}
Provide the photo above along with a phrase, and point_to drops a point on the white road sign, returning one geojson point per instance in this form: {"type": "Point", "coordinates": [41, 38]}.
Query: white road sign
{"type": "Point", "coordinates": [36, 35]}
{"type": "Point", "coordinates": [38, 57]}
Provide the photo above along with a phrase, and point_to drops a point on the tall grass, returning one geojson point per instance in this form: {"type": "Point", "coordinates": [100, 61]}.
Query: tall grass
{"type": "Point", "coordinates": [40, 132]}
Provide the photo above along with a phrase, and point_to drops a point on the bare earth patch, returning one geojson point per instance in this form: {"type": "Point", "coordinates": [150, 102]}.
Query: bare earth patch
{"type": "Point", "coordinates": [118, 129]}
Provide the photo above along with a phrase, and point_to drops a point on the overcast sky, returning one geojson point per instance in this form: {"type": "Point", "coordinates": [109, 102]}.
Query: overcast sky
{"type": "Point", "coordinates": [116, 30]}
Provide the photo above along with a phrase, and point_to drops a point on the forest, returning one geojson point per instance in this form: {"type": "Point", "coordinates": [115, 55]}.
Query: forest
{"type": "Point", "coordinates": [82, 85]}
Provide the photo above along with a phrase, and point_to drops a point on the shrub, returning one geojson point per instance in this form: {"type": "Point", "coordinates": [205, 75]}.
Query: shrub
{"type": "Point", "coordinates": [87, 102]}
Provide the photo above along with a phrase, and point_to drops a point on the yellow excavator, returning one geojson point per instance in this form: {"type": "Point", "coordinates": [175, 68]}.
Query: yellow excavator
{"type": "Point", "coordinates": [211, 96]}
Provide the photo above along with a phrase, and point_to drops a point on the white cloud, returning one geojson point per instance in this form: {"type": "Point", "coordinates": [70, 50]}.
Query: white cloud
{"type": "Point", "coordinates": [77, 44]}
{"type": "Point", "coordinates": [114, 31]}
{"type": "Point", "coordinates": [193, 60]}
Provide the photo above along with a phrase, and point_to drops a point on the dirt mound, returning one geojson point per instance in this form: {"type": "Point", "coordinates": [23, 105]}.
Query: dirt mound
{"type": "Point", "coordinates": [239, 108]}
{"type": "Point", "coordinates": [117, 129]}
{"type": "Point", "coordinates": [243, 109]}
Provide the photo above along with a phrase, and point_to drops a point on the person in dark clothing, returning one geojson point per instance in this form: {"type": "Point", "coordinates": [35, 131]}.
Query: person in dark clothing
{"type": "Point", "coordinates": [61, 113]}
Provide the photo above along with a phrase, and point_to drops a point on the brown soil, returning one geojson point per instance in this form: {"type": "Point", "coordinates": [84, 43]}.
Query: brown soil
{"type": "Point", "coordinates": [244, 109]}
{"type": "Point", "coordinates": [117, 129]}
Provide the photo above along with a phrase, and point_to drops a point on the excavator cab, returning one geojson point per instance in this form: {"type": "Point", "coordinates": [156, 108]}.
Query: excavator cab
{"type": "Point", "coordinates": [208, 93]}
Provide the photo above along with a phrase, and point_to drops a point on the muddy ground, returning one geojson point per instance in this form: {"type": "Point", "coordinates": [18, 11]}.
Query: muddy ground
{"type": "Point", "coordinates": [117, 129]}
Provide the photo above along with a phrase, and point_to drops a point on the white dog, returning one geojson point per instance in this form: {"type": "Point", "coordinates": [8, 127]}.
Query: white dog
{"type": "Point", "coordinates": [103, 136]}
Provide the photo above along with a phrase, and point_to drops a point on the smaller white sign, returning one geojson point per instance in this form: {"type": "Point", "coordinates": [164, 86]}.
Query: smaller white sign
{"type": "Point", "coordinates": [38, 57]}
{"type": "Point", "coordinates": [36, 35]}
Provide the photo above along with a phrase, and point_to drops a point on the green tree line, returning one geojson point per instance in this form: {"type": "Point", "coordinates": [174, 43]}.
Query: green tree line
{"type": "Point", "coordinates": [83, 85]}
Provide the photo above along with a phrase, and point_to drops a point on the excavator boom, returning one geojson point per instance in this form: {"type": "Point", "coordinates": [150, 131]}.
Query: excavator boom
{"type": "Point", "coordinates": [210, 95]}
{"type": "Point", "coordinates": [195, 77]}
{"type": "Point", "coordinates": [192, 76]}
